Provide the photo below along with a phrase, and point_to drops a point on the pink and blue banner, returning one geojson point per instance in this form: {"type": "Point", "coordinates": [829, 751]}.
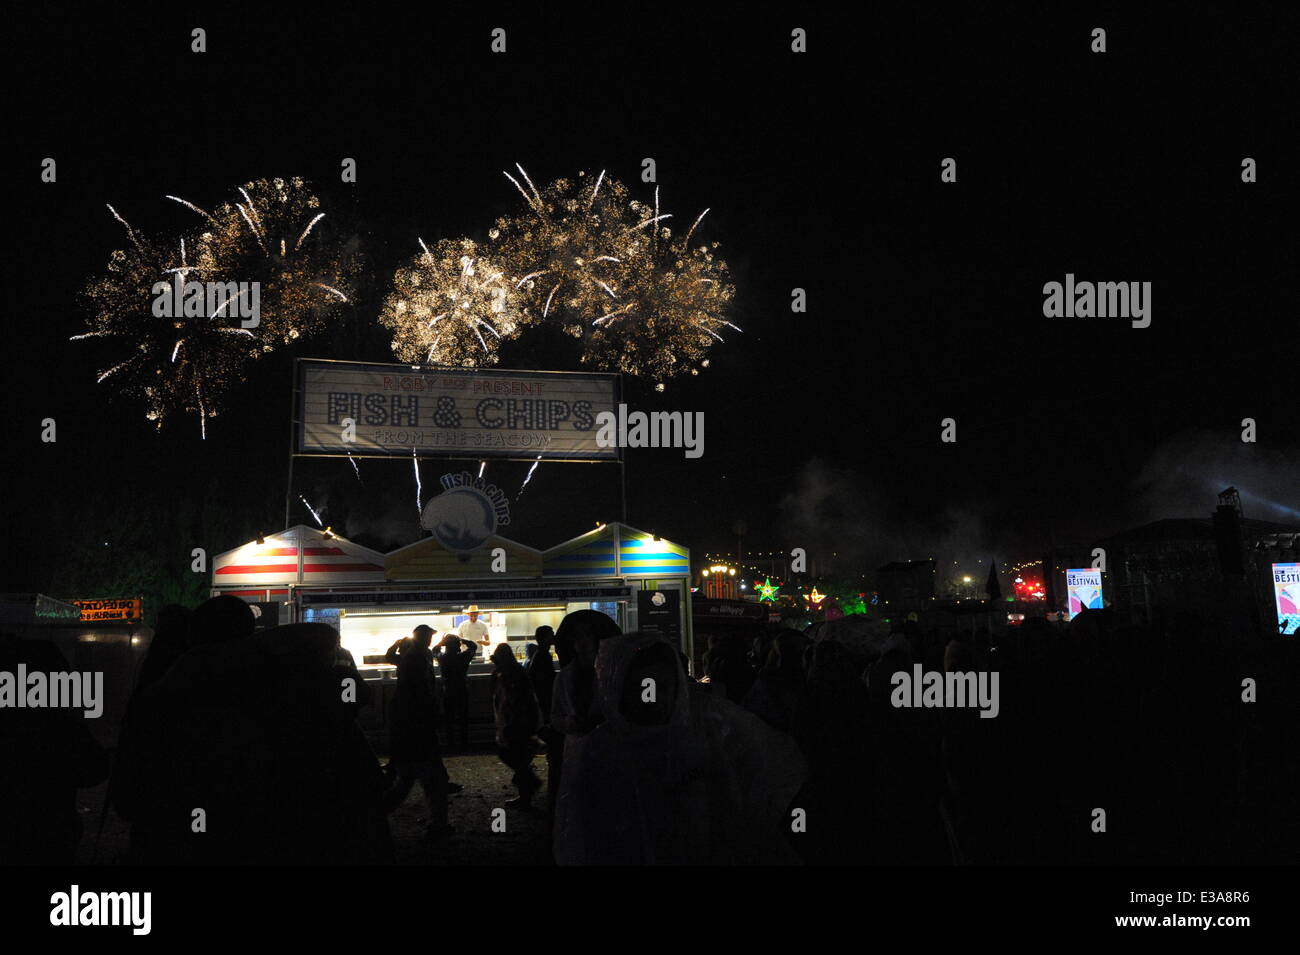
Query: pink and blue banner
{"type": "Point", "coordinates": [1286, 591]}
{"type": "Point", "coordinates": [1083, 590]}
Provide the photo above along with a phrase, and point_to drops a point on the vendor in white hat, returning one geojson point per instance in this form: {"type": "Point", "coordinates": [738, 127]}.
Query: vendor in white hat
{"type": "Point", "coordinates": [472, 630]}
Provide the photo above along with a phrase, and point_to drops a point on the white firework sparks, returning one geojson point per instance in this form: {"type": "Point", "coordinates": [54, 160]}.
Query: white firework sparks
{"type": "Point", "coordinates": [315, 516]}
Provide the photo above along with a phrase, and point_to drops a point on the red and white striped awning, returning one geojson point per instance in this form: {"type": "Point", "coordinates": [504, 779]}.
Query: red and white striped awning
{"type": "Point", "coordinates": [299, 555]}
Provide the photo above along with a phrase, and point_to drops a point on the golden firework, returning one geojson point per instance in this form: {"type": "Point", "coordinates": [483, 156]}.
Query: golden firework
{"type": "Point", "coordinates": [676, 305]}
{"type": "Point", "coordinates": [268, 247]}
{"type": "Point", "coordinates": [274, 233]}
{"type": "Point", "coordinates": [451, 306]}
{"type": "Point", "coordinates": [177, 362]}
{"type": "Point", "coordinates": [568, 253]}
{"type": "Point", "coordinates": [606, 269]}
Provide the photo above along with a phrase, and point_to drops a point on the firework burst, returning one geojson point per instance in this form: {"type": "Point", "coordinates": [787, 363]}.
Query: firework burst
{"type": "Point", "coordinates": [451, 306]}
{"type": "Point", "coordinates": [677, 302]}
{"type": "Point", "coordinates": [180, 363]}
{"type": "Point", "coordinates": [274, 233]}
{"type": "Point", "coordinates": [568, 252]}
{"type": "Point", "coordinates": [608, 270]}
{"type": "Point", "coordinates": [271, 236]}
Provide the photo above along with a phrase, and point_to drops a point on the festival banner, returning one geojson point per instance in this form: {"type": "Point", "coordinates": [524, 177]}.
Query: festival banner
{"type": "Point", "coordinates": [1083, 590]}
{"type": "Point", "coordinates": [1286, 591]}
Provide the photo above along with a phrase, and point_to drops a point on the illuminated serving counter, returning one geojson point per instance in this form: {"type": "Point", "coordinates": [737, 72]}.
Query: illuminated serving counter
{"type": "Point", "coordinates": [308, 575]}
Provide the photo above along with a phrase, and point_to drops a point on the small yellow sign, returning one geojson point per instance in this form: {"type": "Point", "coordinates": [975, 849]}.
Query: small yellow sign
{"type": "Point", "coordinates": [121, 609]}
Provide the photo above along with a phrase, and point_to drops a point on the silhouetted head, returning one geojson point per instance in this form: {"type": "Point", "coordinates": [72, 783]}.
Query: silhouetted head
{"type": "Point", "coordinates": [221, 620]}
{"type": "Point", "coordinates": [503, 657]}
{"type": "Point", "coordinates": [651, 686]}
{"type": "Point", "coordinates": [583, 630]}
{"type": "Point", "coordinates": [544, 636]}
{"type": "Point", "coordinates": [422, 635]}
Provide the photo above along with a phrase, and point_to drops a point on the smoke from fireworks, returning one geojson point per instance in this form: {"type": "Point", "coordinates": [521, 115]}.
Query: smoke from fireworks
{"type": "Point", "coordinates": [451, 306]}
{"type": "Point", "coordinates": [608, 270]}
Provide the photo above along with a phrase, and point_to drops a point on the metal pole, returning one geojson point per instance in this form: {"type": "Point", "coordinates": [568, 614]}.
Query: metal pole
{"type": "Point", "coordinates": [622, 483]}
{"type": "Point", "coordinates": [288, 490]}
{"type": "Point", "coordinates": [293, 409]}
{"type": "Point", "coordinates": [622, 460]}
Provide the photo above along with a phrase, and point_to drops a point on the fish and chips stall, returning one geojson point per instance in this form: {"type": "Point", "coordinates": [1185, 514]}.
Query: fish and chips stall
{"type": "Point", "coordinates": [306, 574]}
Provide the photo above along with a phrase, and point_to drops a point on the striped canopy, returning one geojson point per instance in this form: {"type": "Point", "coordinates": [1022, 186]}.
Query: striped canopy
{"type": "Point", "coordinates": [299, 555]}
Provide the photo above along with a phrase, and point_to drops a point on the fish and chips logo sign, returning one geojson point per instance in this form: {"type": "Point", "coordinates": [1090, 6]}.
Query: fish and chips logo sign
{"type": "Point", "coordinates": [466, 514]}
{"type": "Point", "coordinates": [373, 410]}
{"type": "Point", "coordinates": [124, 609]}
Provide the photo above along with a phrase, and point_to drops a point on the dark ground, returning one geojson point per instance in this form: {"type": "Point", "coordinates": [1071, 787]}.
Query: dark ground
{"type": "Point", "coordinates": [526, 840]}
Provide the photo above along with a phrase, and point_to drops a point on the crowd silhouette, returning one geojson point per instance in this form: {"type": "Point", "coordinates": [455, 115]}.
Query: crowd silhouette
{"type": "Point", "coordinates": [243, 747]}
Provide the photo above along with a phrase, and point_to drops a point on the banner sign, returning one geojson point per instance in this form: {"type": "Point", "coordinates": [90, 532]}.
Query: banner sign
{"type": "Point", "coordinates": [122, 609]}
{"type": "Point", "coordinates": [1083, 589]}
{"type": "Point", "coordinates": [371, 410]}
{"type": "Point", "coordinates": [1286, 591]}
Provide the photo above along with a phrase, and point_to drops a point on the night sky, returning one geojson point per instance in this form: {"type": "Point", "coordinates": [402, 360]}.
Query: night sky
{"type": "Point", "coordinates": [821, 171]}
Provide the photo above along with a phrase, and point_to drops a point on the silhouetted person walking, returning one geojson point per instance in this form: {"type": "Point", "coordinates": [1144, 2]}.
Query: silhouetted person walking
{"type": "Point", "coordinates": [414, 739]}
{"type": "Point", "coordinates": [454, 655]}
{"type": "Point", "coordinates": [541, 670]}
{"type": "Point", "coordinates": [515, 708]}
